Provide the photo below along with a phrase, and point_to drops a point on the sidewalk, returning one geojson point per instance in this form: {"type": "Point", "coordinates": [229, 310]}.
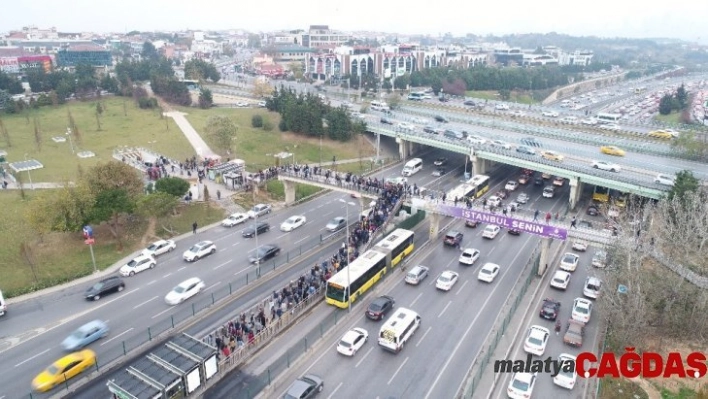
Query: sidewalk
{"type": "Point", "coordinates": [199, 145]}
{"type": "Point", "coordinates": [36, 186]}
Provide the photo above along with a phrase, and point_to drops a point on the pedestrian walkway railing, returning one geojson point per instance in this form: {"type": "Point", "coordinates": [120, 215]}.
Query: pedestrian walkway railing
{"type": "Point", "coordinates": [500, 325]}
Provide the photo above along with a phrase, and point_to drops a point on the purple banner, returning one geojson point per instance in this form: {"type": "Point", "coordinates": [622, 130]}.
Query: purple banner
{"type": "Point", "coordinates": [539, 229]}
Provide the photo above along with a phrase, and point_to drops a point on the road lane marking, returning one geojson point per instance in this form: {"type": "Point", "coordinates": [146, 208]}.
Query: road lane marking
{"type": "Point", "coordinates": [335, 391]}
{"type": "Point", "coordinates": [302, 239]}
{"type": "Point", "coordinates": [444, 309]}
{"type": "Point", "coordinates": [423, 337]}
{"type": "Point", "coordinates": [149, 300]}
{"type": "Point", "coordinates": [163, 312]}
{"type": "Point", "coordinates": [152, 282]}
{"type": "Point", "coordinates": [223, 264]}
{"type": "Point", "coordinates": [281, 236]}
{"type": "Point", "coordinates": [181, 268]}
{"type": "Point", "coordinates": [363, 357]}
{"type": "Point", "coordinates": [226, 236]}
{"type": "Point", "coordinates": [399, 369]}
{"type": "Point", "coordinates": [117, 336]}
{"type": "Point", "coordinates": [462, 288]}
{"type": "Point", "coordinates": [167, 275]}
{"type": "Point", "coordinates": [327, 214]}
{"type": "Point", "coordinates": [236, 243]}
{"type": "Point", "coordinates": [212, 286]}
{"type": "Point", "coordinates": [31, 358]}
{"type": "Point", "coordinates": [416, 299]}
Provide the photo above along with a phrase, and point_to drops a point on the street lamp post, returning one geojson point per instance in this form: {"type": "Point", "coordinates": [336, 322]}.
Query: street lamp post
{"type": "Point", "coordinates": [29, 175]}
{"type": "Point", "coordinates": [255, 234]}
{"type": "Point", "coordinates": [68, 133]}
{"type": "Point", "coordinates": [349, 285]}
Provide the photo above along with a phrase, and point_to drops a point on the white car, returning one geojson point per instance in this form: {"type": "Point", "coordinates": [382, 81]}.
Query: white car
{"type": "Point", "coordinates": [550, 114]}
{"type": "Point", "coordinates": [352, 341]}
{"type": "Point", "coordinates": [522, 198]}
{"type": "Point", "coordinates": [184, 290]}
{"type": "Point", "coordinates": [560, 280]}
{"type": "Point", "coordinates": [592, 287]}
{"type": "Point", "coordinates": [488, 272]}
{"type": "Point", "coordinates": [469, 256]}
{"type": "Point", "coordinates": [474, 139]}
{"type": "Point", "coordinates": [599, 259]}
{"type": "Point", "coordinates": [160, 247]}
{"type": "Point", "coordinates": [234, 219]}
{"type": "Point", "coordinates": [536, 340]}
{"type": "Point", "coordinates": [580, 245]}
{"type": "Point", "coordinates": [582, 309]}
{"type": "Point", "coordinates": [511, 185]}
{"type": "Point", "coordinates": [293, 222]}
{"type": "Point", "coordinates": [613, 212]}
{"type": "Point", "coordinates": [500, 144]}
{"type": "Point", "coordinates": [259, 210]}
{"type": "Point", "coordinates": [612, 126]}
{"type": "Point", "coordinates": [501, 107]}
{"type": "Point", "coordinates": [589, 121]}
{"type": "Point", "coordinates": [491, 231]}
{"type": "Point", "coordinates": [521, 385]}
{"type": "Point", "coordinates": [446, 280]}
{"type": "Point", "coordinates": [518, 113]}
{"type": "Point", "coordinates": [241, 104]}
{"type": "Point", "coordinates": [566, 379]}
{"type": "Point", "coordinates": [604, 165]}
{"type": "Point", "coordinates": [665, 180]}
{"type": "Point", "coordinates": [406, 126]}
{"type": "Point", "coordinates": [199, 250]}
{"type": "Point", "coordinates": [569, 262]}
{"type": "Point", "coordinates": [137, 265]}
{"type": "Point", "coordinates": [494, 201]}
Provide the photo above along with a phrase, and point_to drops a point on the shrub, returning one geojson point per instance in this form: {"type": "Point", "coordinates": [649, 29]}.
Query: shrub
{"type": "Point", "coordinates": [257, 121]}
{"type": "Point", "coordinates": [268, 125]}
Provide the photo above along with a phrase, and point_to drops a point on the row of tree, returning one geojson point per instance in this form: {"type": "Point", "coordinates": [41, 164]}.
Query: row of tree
{"type": "Point", "coordinates": [10, 84]}
{"type": "Point", "coordinates": [201, 70]}
{"type": "Point", "coordinates": [676, 101]}
{"type": "Point", "coordinates": [104, 193]}
{"type": "Point", "coordinates": [307, 114]}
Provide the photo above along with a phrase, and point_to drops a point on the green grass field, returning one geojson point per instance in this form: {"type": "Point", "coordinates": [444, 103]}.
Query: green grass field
{"type": "Point", "coordinates": [673, 117]}
{"type": "Point", "coordinates": [142, 128]}
{"type": "Point", "coordinates": [257, 147]}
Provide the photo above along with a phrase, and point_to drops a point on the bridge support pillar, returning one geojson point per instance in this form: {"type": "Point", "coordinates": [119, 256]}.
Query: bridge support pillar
{"type": "Point", "coordinates": [479, 165]}
{"type": "Point", "coordinates": [404, 148]}
{"type": "Point", "coordinates": [289, 188]}
{"type": "Point", "coordinates": [545, 255]}
{"type": "Point", "coordinates": [434, 226]}
{"type": "Point", "coordinates": [576, 188]}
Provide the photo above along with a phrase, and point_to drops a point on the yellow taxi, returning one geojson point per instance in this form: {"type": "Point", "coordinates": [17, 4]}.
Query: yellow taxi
{"type": "Point", "coordinates": [63, 369]}
{"type": "Point", "coordinates": [663, 134]}
{"type": "Point", "coordinates": [552, 156]}
{"type": "Point", "coordinates": [612, 150]}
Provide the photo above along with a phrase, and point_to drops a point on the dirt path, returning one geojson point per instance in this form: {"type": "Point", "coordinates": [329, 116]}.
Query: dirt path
{"type": "Point", "coordinates": [149, 232]}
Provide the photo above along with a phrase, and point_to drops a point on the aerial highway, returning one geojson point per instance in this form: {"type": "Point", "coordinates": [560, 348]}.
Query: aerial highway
{"type": "Point", "coordinates": [34, 329]}
{"type": "Point", "coordinates": [435, 361]}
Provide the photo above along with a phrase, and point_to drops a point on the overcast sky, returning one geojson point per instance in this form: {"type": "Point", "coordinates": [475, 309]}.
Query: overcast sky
{"type": "Point", "coordinates": [608, 18]}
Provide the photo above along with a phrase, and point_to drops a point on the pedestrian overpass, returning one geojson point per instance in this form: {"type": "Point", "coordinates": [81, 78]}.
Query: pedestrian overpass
{"type": "Point", "coordinates": [481, 157]}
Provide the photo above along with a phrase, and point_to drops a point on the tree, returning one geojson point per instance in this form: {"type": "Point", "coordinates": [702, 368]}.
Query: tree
{"type": "Point", "coordinates": [254, 41]}
{"type": "Point", "coordinates": [689, 144]}
{"type": "Point", "coordinates": [149, 52]}
{"type": "Point", "coordinates": [261, 88]}
{"type": "Point", "coordinates": [402, 82]}
{"type": "Point", "coordinates": [172, 185]}
{"type": "Point", "coordinates": [11, 84]}
{"type": "Point", "coordinates": [37, 135]}
{"type": "Point", "coordinates": [206, 194]}
{"type": "Point", "coordinates": [62, 210]}
{"type": "Point", "coordinates": [5, 99]}
{"type": "Point", "coordinates": [682, 97]}
{"type": "Point", "coordinates": [109, 205]}
{"type": "Point", "coordinates": [27, 254]}
{"type": "Point", "coordinates": [222, 130]}
{"type": "Point", "coordinates": [393, 101]}
{"type": "Point", "coordinates": [666, 104]}
{"type": "Point", "coordinates": [505, 94]}
{"type": "Point", "coordinates": [200, 70]}
{"type": "Point", "coordinates": [5, 134]}
{"type": "Point", "coordinates": [257, 121]}
{"type": "Point", "coordinates": [296, 70]}
{"type": "Point", "coordinates": [157, 205]}
{"type": "Point", "coordinates": [113, 175]}
{"type": "Point", "coordinates": [455, 87]}
{"type": "Point", "coordinates": [684, 182]}
{"type": "Point", "coordinates": [206, 100]}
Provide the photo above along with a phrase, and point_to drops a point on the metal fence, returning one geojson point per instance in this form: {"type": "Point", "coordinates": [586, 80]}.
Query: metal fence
{"type": "Point", "coordinates": [412, 220]}
{"type": "Point", "coordinates": [500, 326]}
{"type": "Point", "coordinates": [200, 304]}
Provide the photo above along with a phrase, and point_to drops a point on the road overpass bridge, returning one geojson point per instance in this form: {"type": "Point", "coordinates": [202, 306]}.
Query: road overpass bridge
{"type": "Point", "coordinates": [481, 156]}
{"type": "Point", "coordinates": [290, 179]}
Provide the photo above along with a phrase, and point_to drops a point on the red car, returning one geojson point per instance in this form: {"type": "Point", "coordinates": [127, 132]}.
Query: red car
{"type": "Point", "coordinates": [501, 194]}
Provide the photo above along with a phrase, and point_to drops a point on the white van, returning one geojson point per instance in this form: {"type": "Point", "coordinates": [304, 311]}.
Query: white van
{"type": "Point", "coordinates": [3, 304]}
{"type": "Point", "coordinates": [379, 106]}
{"type": "Point", "coordinates": [398, 329]}
{"type": "Point", "coordinates": [412, 167]}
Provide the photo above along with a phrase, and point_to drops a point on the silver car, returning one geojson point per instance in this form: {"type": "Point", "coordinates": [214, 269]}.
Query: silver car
{"type": "Point", "coordinates": [304, 387]}
{"type": "Point", "coordinates": [336, 224]}
{"type": "Point", "coordinates": [417, 274]}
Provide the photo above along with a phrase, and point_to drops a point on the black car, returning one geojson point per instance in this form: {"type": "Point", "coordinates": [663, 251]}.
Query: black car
{"type": "Point", "coordinates": [259, 228]}
{"type": "Point", "coordinates": [470, 103]}
{"type": "Point", "coordinates": [386, 121]}
{"type": "Point", "coordinates": [443, 99]}
{"type": "Point", "coordinates": [440, 161]}
{"type": "Point", "coordinates": [104, 287]}
{"type": "Point", "coordinates": [592, 210]}
{"type": "Point", "coordinates": [514, 232]}
{"type": "Point", "coordinates": [471, 223]}
{"type": "Point", "coordinates": [263, 253]}
{"type": "Point", "coordinates": [429, 129]}
{"type": "Point", "coordinates": [379, 307]}
{"type": "Point", "coordinates": [538, 181]}
{"type": "Point", "coordinates": [525, 150]}
{"type": "Point", "coordinates": [550, 309]}
{"type": "Point", "coordinates": [441, 119]}
{"type": "Point", "coordinates": [453, 238]}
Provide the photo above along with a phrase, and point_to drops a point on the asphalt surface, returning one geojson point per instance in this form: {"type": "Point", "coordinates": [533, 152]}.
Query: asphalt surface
{"type": "Point", "coordinates": [545, 388]}
{"type": "Point", "coordinates": [435, 361]}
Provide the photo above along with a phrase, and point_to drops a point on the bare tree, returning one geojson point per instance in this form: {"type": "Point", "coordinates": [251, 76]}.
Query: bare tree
{"type": "Point", "coordinates": [5, 134]}
{"type": "Point", "coordinates": [37, 134]}
{"type": "Point", "coordinates": [27, 253]}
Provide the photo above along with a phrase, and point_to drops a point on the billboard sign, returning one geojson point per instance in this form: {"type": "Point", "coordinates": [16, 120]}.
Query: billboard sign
{"type": "Point", "coordinates": [481, 216]}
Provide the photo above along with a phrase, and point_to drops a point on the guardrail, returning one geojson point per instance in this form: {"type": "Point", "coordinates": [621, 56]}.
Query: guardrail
{"type": "Point", "coordinates": [200, 304]}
